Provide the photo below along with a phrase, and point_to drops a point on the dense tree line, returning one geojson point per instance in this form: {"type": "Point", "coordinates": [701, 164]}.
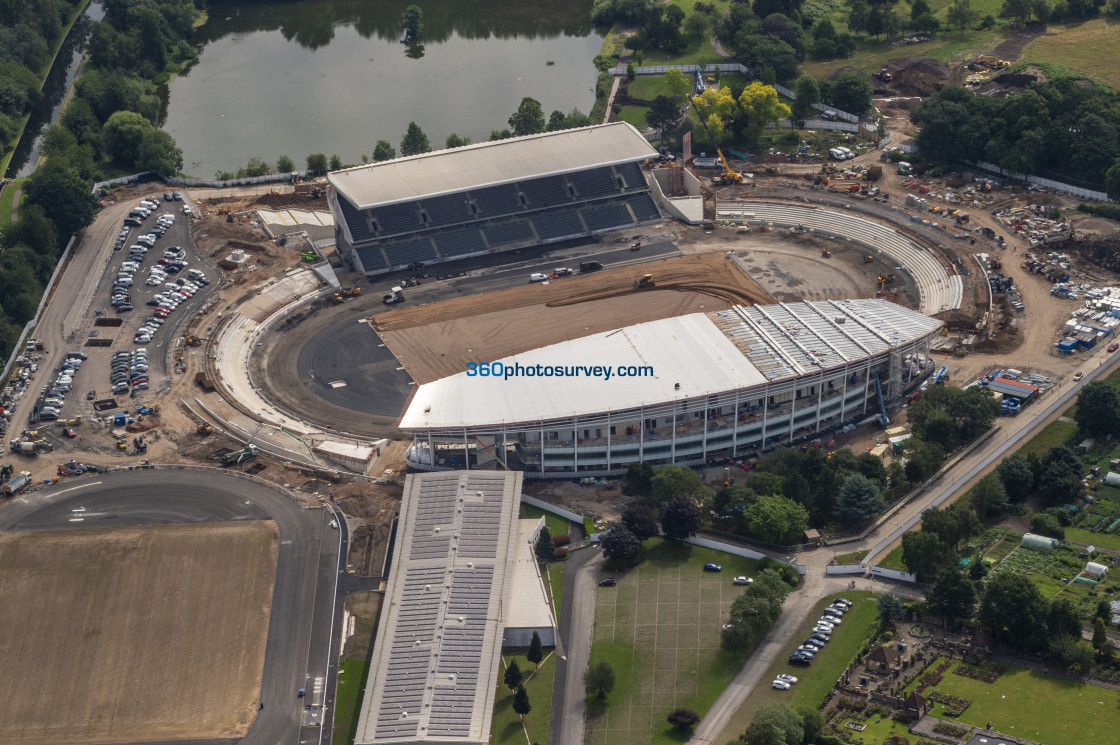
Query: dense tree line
{"type": "Point", "coordinates": [111, 123]}
{"type": "Point", "coordinates": [29, 29]}
{"type": "Point", "coordinates": [1058, 127]}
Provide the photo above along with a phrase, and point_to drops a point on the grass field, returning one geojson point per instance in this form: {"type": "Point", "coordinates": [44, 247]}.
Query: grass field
{"type": "Point", "coordinates": [556, 524]}
{"type": "Point", "coordinates": [635, 115]}
{"type": "Point", "coordinates": [554, 580]}
{"type": "Point", "coordinates": [506, 727]}
{"type": "Point", "coordinates": [365, 608]}
{"type": "Point", "coordinates": [1055, 433]}
{"type": "Point", "coordinates": [1027, 704]}
{"type": "Point", "coordinates": [1100, 540]}
{"type": "Point", "coordinates": [1088, 48]}
{"type": "Point", "coordinates": [815, 681]}
{"type": "Point", "coordinates": [7, 197]}
{"type": "Point", "coordinates": [131, 634]}
{"type": "Point", "coordinates": [948, 48]}
{"type": "Point", "coordinates": [660, 631]}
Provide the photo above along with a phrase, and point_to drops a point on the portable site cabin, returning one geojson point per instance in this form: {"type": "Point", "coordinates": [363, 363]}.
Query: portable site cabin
{"type": "Point", "coordinates": [1038, 542]}
{"type": "Point", "coordinates": [1095, 569]}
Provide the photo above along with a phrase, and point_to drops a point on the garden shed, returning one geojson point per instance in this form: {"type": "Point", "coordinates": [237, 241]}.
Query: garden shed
{"type": "Point", "coordinates": [1095, 569]}
{"type": "Point", "coordinates": [1038, 542]}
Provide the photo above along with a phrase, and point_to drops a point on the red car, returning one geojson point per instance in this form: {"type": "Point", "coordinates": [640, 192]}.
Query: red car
{"type": "Point", "coordinates": [69, 433]}
{"type": "Point", "coordinates": [1113, 346]}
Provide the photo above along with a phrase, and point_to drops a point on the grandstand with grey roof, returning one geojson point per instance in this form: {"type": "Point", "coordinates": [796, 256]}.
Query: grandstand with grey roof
{"type": "Point", "coordinates": [493, 196]}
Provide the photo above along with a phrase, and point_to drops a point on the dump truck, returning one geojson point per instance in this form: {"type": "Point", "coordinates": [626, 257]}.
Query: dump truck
{"type": "Point", "coordinates": [396, 295]}
{"type": "Point", "coordinates": [16, 485]}
{"type": "Point", "coordinates": [645, 282]}
{"type": "Point", "coordinates": [247, 453]}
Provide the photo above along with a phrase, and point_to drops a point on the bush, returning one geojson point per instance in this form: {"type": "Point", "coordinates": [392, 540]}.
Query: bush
{"type": "Point", "coordinates": [952, 730]}
{"type": "Point", "coordinates": [1047, 525]}
{"type": "Point", "coordinates": [561, 540]}
{"type": "Point", "coordinates": [954, 706]}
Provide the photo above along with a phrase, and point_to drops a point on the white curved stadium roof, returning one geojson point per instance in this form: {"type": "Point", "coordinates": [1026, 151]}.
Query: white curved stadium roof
{"type": "Point", "coordinates": [488, 163]}
{"type": "Point", "coordinates": [690, 356]}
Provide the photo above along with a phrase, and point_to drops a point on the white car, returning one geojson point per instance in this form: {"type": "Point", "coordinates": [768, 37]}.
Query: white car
{"type": "Point", "coordinates": [742, 581]}
{"type": "Point", "coordinates": [830, 620]}
{"type": "Point", "coordinates": [787, 678]}
{"type": "Point", "coordinates": [780, 685]}
{"type": "Point", "coordinates": [538, 277]}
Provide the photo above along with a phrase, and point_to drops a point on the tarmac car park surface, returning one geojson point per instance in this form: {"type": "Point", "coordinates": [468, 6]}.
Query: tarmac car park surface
{"type": "Point", "coordinates": [95, 373]}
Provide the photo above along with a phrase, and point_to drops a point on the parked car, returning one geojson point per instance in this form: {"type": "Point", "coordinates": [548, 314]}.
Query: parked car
{"type": "Point", "coordinates": [780, 685]}
{"type": "Point", "coordinates": [608, 582]}
{"type": "Point", "coordinates": [713, 567]}
{"type": "Point", "coordinates": [742, 581]}
{"type": "Point", "coordinates": [538, 277]}
{"type": "Point", "coordinates": [1078, 375]}
{"type": "Point", "coordinates": [800, 660]}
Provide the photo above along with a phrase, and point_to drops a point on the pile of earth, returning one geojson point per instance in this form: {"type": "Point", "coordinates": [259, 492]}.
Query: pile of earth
{"type": "Point", "coordinates": [1104, 253]}
{"type": "Point", "coordinates": [917, 75]}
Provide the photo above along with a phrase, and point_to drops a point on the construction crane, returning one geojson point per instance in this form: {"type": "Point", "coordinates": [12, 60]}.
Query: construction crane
{"type": "Point", "coordinates": [729, 176]}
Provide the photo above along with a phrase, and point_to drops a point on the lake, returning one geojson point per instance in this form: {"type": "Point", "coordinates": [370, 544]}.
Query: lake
{"type": "Point", "coordinates": [277, 78]}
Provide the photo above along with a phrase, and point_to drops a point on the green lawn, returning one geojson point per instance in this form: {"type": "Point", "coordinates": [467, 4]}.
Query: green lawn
{"type": "Point", "coordinates": [1100, 540]}
{"type": "Point", "coordinates": [506, 727]}
{"type": "Point", "coordinates": [1025, 703]}
{"type": "Point", "coordinates": [348, 701]}
{"type": "Point", "coordinates": [1088, 48]}
{"type": "Point", "coordinates": [648, 87]}
{"type": "Point", "coordinates": [659, 629]}
{"type": "Point", "coordinates": [554, 580]}
{"type": "Point", "coordinates": [6, 199]}
{"type": "Point", "coordinates": [893, 560]}
{"type": "Point", "coordinates": [813, 682]}
{"type": "Point", "coordinates": [635, 115]}
{"type": "Point", "coordinates": [556, 524]}
{"type": "Point", "coordinates": [854, 557]}
{"type": "Point", "coordinates": [1055, 433]}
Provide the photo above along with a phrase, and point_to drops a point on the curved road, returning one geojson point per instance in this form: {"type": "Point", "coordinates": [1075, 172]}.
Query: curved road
{"type": "Point", "coordinates": [303, 598]}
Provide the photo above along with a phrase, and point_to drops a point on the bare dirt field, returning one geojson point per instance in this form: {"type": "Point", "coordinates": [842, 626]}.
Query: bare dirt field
{"type": "Point", "coordinates": [437, 340]}
{"type": "Point", "coordinates": [128, 634]}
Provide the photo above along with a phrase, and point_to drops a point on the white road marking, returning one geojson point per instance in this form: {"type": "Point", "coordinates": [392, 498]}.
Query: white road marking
{"type": "Point", "coordinates": [77, 519]}
{"type": "Point", "coordinates": [79, 486]}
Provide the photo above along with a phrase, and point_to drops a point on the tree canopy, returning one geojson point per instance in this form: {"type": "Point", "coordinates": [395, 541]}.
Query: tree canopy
{"type": "Point", "coordinates": [1098, 410]}
{"type": "Point", "coordinates": [641, 521]}
{"type": "Point", "coordinates": [680, 518]}
{"type": "Point", "coordinates": [619, 543]}
{"type": "Point", "coordinates": [528, 119]}
{"type": "Point", "coordinates": [598, 679]}
{"type": "Point", "coordinates": [415, 141]}
{"type": "Point", "coordinates": [859, 500]}
{"type": "Point", "coordinates": [953, 598]}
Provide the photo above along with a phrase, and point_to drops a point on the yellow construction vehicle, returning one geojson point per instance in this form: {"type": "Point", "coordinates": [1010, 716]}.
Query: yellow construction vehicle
{"type": "Point", "coordinates": [773, 170]}
{"type": "Point", "coordinates": [194, 341]}
{"type": "Point", "coordinates": [962, 219]}
{"type": "Point", "coordinates": [645, 282]}
{"type": "Point", "coordinates": [868, 259]}
{"type": "Point", "coordinates": [729, 176]}
{"type": "Point", "coordinates": [337, 297]}
{"type": "Point", "coordinates": [352, 291]}
{"type": "Point", "coordinates": [204, 429]}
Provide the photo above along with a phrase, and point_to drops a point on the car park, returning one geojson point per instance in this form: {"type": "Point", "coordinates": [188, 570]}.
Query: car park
{"type": "Point", "coordinates": [713, 567]}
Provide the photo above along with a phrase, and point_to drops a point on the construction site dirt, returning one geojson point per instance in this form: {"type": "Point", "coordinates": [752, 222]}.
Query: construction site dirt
{"type": "Point", "coordinates": [135, 634]}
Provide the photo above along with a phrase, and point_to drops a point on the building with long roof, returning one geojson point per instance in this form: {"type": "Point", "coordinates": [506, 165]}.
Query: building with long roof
{"type": "Point", "coordinates": [455, 585]}
{"type": "Point", "coordinates": [490, 197]}
{"type": "Point", "coordinates": [683, 390]}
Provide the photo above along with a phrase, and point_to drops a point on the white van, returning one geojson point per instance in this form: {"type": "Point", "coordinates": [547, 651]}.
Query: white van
{"type": "Point", "coordinates": [848, 154]}
{"type": "Point", "coordinates": [538, 277]}
{"type": "Point", "coordinates": [836, 153]}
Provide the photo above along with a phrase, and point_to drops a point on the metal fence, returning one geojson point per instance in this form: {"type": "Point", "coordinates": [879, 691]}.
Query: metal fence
{"type": "Point", "coordinates": [842, 114]}
{"type": "Point", "coordinates": [820, 124]}
{"type": "Point", "coordinates": [1077, 191]}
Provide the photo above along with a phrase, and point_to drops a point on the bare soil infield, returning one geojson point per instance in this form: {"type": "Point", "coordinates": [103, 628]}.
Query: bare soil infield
{"type": "Point", "coordinates": [134, 634]}
{"type": "Point", "coordinates": [437, 340]}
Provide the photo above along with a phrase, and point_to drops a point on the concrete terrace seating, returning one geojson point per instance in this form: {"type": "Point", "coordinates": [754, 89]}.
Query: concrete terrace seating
{"type": "Point", "coordinates": [372, 258]}
{"type": "Point", "coordinates": [460, 242]}
{"type": "Point", "coordinates": [939, 290]}
{"type": "Point", "coordinates": [514, 231]}
{"type": "Point", "coordinates": [607, 217]}
{"type": "Point", "coordinates": [497, 201]}
{"type": "Point", "coordinates": [644, 208]}
{"type": "Point", "coordinates": [446, 210]}
{"type": "Point", "coordinates": [396, 218]}
{"type": "Point", "coordinates": [599, 182]}
{"type": "Point", "coordinates": [358, 222]}
{"type": "Point", "coordinates": [545, 192]}
{"type": "Point", "coordinates": [632, 174]}
{"type": "Point", "coordinates": [407, 251]}
{"type": "Point", "coordinates": [558, 224]}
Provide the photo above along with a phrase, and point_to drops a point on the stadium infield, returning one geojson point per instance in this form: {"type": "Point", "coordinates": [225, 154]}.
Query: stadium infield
{"type": "Point", "coordinates": [436, 340]}
{"type": "Point", "coordinates": [135, 634]}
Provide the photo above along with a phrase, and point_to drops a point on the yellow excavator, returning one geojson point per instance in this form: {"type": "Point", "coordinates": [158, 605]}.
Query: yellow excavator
{"type": "Point", "coordinates": [729, 176]}
{"type": "Point", "coordinates": [645, 282]}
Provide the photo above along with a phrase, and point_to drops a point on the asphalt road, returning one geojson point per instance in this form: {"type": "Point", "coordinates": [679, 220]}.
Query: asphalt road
{"type": "Point", "coordinates": [303, 601]}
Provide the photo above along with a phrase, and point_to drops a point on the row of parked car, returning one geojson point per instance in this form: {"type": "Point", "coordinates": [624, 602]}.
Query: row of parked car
{"type": "Point", "coordinates": [822, 632]}
{"type": "Point", "coordinates": [129, 369]}
{"type": "Point", "coordinates": [51, 408]}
